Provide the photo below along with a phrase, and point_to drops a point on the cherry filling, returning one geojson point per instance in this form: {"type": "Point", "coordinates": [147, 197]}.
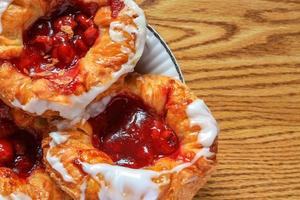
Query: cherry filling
{"type": "Point", "coordinates": [116, 7]}
{"type": "Point", "coordinates": [19, 150]}
{"type": "Point", "coordinates": [132, 134]}
{"type": "Point", "coordinates": [57, 41]}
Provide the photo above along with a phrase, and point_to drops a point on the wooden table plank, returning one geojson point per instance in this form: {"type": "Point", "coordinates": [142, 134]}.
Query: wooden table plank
{"type": "Point", "coordinates": [243, 58]}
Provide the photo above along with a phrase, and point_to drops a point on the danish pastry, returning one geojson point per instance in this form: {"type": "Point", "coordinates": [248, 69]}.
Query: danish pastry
{"type": "Point", "coordinates": [22, 174]}
{"type": "Point", "coordinates": [58, 56]}
{"type": "Point", "coordinates": [149, 139]}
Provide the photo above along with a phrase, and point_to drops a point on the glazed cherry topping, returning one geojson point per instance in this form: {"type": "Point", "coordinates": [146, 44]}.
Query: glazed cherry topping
{"type": "Point", "coordinates": [6, 152]}
{"type": "Point", "coordinates": [57, 41]}
{"type": "Point", "coordinates": [116, 7]}
{"type": "Point", "coordinates": [19, 150]}
{"type": "Point", "coordinates": [132, 134]}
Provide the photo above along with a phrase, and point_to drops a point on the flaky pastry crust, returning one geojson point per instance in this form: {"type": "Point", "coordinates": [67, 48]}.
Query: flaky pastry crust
{"type": "Point", "coordinates": [38, 186]}
{"type": "Point", "coordinates": [18, 16]}
{"type": "Point", "coordinates": [105, 62]}
{"type": "Point", "coordinates": [169, 98]}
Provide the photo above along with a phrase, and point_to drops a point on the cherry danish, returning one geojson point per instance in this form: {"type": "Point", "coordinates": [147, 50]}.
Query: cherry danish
{"type": "Point", "coordinates": [150, 138]}
{"type": "Point", "coordinates": [58, 56]}
{"type": "Point", "coordinates": [22, 173]}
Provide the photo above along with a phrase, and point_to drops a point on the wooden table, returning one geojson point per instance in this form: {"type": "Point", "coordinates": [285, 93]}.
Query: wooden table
{"type": "Point", "coordinates": [243, 58]}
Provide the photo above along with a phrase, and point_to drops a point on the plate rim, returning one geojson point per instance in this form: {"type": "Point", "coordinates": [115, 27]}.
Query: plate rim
{"type": "Point", "coordinates": [168, 50]}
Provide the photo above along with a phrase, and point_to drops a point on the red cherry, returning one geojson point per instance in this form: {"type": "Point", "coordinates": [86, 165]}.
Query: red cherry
{"type": "Point", "coordinates": [80, 46]}
{"type": "Point", "coordinates": [116, 7]}
{"type": "Point", "coordinates": [90, 35]}
{"type": "Point", "coordinates": [54, 53]}
{"type": "Point", "coordinates": [48, 47]}
{"type": "Point", "coordinates": [20, 147]}
{"type": "Point", "coordinates": [45, 43]}
{"type": "Point", "coordinates": [90, 8]}
{"type": "Point", "coordinates": [155, 133]}
{"type": "Point", "coordinates": [65, 21]}
{"type": "Point", "coordinates": [65, 53]}
{"type": "Point", "coordinates": [28, 60]}
{"type": "Point", "coordinates": [83, 21]}
{"type": "Point", "coordinates": [168, 143]}
{"type": "Point", "coordinates": [145, 155]}
{"type": "Point", "coordinates": [164, 139]}
{"type": "Point", "coordinates": [23, 165]}
{"type": "Point", "coordinates": [6, 152]}
{"type": "Point", "coordinates": [41, 28]}
{"type": "Point", "coordinates": [60, 38]}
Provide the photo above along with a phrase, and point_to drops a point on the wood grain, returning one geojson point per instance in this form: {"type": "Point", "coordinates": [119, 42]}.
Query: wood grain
{"type": "Point", "coordinates": [243, 58]}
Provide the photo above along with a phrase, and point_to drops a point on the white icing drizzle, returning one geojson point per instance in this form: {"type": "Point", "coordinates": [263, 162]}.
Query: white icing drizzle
{"type": "Point", "coordinates": [125, 183]}
{"type": "Point", "coordinates": [126, 51]}
{"type": "Point", "coordinates": [116, 35]}
{"type": "Point", "coordinates": [98, 107]}
{"type": "Point", "coordinates": [15, 196]}
{"type": "Point", "coordinates": [92, 110]}
{"type": "Point", "coordinates": [133, 184]}
{"type": "Point", "coordinates": [140, 21]}
{"type": "Point", "coordinates": [200, 115]}
{"type": "Point", "coordinates": [3, 6]}
{"type": "Point", "coordinates": [74, 110]}
{"type": "Point", "coordinates": [57, 139]}
{"type": "Point", "coordinates": [83, 190]}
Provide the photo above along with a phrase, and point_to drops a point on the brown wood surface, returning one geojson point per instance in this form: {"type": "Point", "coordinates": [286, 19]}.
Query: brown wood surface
{"type": "Point", "coordinates": [243, 58]}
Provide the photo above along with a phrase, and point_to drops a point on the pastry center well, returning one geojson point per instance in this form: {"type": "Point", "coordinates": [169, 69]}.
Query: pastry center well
{"type": "Point", "coordinates": [132, 134]}
{"type": "Point", "coordinates": [19, 150]}
{"type": "Point", "coordinates": [54, 44]}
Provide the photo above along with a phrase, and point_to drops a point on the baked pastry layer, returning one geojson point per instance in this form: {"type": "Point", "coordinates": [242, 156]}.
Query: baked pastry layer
{"type": "Point", "coordinates": [38, 186]}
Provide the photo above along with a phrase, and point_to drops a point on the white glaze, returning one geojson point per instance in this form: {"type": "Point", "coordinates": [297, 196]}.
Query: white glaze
{"type": "Point", "coordinates": [92, 110]}
{"type": "Point", "coordinates": [115, 35]}
{"type": "Point", "coordinates": [126, 51]}
{"type": "Point", "coordinates": [123, 183]}
{"type": "Point", "coordinates": [3, 6]}
{"type": "Point", "coordinates": [133, 184]}
{"type": "Point", "coordinates": [98, 107]}
{"type": "Point", "coordinates": [57, 139]}
{"type": "Point", "coordinates": [140, 21]}
{"type": "Point", "coordinates": [116, 31]}
{"type": "Point", "coordinates": [200, 115]}
{"type": "Point", "coordinates": [15, 196]}
{"type": "Point", "coordinates": [82, 190]}
{"type": "Point", "coordinates": [74, 110]}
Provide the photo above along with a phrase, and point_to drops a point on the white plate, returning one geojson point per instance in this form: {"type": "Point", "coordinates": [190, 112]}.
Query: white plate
{"type": "Point", "coordinates": [158, 58]}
